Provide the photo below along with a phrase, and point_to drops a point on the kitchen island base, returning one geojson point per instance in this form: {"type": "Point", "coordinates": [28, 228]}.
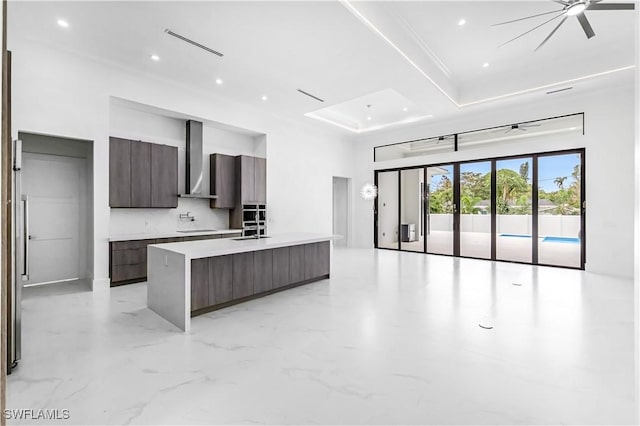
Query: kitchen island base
{"type": "Point", "coordinates": [185, 280]}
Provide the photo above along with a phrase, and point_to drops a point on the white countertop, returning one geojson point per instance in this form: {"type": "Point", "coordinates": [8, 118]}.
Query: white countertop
{"type": "Point", "coordinates": [221, 247]}
{"type": "Point", "coordinates": [174, 234]}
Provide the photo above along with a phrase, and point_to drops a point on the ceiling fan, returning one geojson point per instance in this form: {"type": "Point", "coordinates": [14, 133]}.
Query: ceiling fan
{"type": "Point", "coordinates": [570, 8]}
{"type": "Point", "coordinates": [521, 127]}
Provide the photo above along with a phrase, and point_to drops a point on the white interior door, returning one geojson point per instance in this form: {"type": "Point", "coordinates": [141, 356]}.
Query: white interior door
{"type": "Point", "coordinates": [54, 187]}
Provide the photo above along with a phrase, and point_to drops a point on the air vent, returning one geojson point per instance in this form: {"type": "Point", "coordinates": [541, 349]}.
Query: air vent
{"type": "Point", "coordinates": [195, 43]}
{"type": "Point", "coordinates": [310, 95]}
{"type": "Point", "coordinates": [559, 90]}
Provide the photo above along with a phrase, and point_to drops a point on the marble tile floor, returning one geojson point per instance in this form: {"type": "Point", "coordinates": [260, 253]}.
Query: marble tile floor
{"type": "Point", "coordinates": [391, 338]}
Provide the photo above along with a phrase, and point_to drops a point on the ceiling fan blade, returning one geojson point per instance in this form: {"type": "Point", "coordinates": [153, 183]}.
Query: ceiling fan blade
{"type": "Point", "coordinates": [612, 6]}
{"type": "Point", "coordinates": [528, 17]}
{"type": "Point", "coordinates": [535, 28]}
{"type": "Point", "coordinates": [551, 33]}
{"type": "Point", "coordinates": [586, 26]}
{"type": "Point", "coordinates": [564, 3]}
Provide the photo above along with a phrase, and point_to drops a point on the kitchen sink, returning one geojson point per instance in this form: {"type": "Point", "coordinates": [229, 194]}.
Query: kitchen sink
{"type": "Point", "coordinates": [189, 231]}
{"type": "Point", "coordinates": [251, 237]}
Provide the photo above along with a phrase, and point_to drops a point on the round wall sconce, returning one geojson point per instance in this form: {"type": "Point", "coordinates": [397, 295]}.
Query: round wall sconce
{"type": "Point", "coordinates": [369, 191]}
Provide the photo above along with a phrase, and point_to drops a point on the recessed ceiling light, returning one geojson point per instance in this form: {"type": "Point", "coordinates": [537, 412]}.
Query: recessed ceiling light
{"type": "Point", "coordinates": [218, 81]}
{"type": "Point", "coordinates": [63, 23]}
{"type": "Point", "coordinates": [485, 65]}
{"type": "Point", "coordinates": [264, 97]}
{"type": "Point", "coordinates": [369, 118]}
{"type": "Point", "coordinates": [462, 22]}
{"type": "Point", "coordinates": [405, 109]}
{"type": "Point", "coordinates": [155, 58]}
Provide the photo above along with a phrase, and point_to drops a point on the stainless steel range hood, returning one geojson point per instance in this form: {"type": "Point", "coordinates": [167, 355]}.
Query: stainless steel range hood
{"type": "Point", "coordinates": [194, 162]}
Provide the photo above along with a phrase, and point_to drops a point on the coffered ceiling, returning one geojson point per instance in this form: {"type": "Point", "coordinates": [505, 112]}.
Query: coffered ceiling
{"type": "Point", "coordinates": [412, 55]}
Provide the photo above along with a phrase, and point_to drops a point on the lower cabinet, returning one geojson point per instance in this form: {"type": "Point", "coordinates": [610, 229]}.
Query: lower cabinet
{"type": "Point", "coordinates": [222, 279]}
{"type": "Point", "coordinates": [242, 275]}
{"type": "Point", "coordinates": [128, 259]}
{"type": "Point", "coordinates": [280, 267]}
{"type": "Point", "coordinates": [262, 271]}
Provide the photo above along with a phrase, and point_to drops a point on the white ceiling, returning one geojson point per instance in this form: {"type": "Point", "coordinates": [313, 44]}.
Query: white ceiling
{"type": "Point", "coordinates": [340, 52]}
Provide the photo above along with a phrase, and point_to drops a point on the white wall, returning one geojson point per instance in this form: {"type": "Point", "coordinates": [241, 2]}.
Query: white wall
{"type": "Point", "coordinates": [610, 119]}
{"type": "Point", "coordinates": [59, 93]}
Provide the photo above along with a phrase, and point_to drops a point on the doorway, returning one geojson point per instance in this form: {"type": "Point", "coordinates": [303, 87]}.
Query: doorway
{"type": "Point", "coordinates": [53, 194]}
{"type": "Point", "coordinates": [341, 208]}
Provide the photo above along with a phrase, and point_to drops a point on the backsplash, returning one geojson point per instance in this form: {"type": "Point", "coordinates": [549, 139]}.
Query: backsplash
{"type": "Point", "coordinates": [156, 221]}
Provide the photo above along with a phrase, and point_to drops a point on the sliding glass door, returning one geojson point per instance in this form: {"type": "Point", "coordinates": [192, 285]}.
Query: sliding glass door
{"type": "Point", "coordinates": [475, 209]}
{"type": "Point", "coordinates": [412, 209]}
{"type": "Point", "coordinates": [527, 209]}
{"type": "Point", "coordinates": [440, 209]}
{"type": "Point", "coordinates": [387, 209]}
{"type": "Point", "coordinates": [559, 209]}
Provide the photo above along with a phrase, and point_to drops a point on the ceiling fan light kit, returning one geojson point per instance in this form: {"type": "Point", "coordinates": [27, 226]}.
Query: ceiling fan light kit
{"type": "Point", "coordinates": [570, 8]}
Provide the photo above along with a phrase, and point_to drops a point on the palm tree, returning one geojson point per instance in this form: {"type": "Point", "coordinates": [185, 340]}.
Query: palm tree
{"type": "Point", "coordinates": [560, 181]}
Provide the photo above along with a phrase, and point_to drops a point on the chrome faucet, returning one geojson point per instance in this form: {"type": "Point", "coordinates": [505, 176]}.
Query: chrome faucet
{"type": "Point", "coordinates": [187, 216]}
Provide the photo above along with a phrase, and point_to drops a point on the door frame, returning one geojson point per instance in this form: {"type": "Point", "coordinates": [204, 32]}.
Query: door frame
{"type": "Point", "coordinates": [456, 183]}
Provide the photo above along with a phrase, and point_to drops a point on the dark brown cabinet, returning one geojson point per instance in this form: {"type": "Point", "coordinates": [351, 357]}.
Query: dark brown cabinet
{"type": "Point", "coordinates": [220, 279]}
{"type": "Point", "coordinates": [280, 276]}
{"type": "Point", "coordinates": [316, 260]}
{"type": "Point", "coordinates": [242, 275]}
{"type": "Point", "coordinates": [260, 179]}
{"type": "Point", "coordinates": [142, 175]}
{"type": "Point", "coordinates": [296, 264]}
{"type": "Point", "coordinates": [199, 283]}
{"type": "Point", "coordinates": [222, 181]}
{"type": "Point", "coordinates": [238, 277]}
{"type": "Point", "coordinates": [119, 172]}
{"type": "Point", "coordinates": [128, 259]}
{"type": "Point", "coordinates": [262, 271]}
{"type": "Point", "coordinates": [251, 180]}
{"type": "Point", "coordinates": [164, 176]}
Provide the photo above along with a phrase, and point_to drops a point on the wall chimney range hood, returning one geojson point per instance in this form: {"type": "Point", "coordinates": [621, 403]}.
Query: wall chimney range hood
{"type": "Point", "coordinates": [194, 162]}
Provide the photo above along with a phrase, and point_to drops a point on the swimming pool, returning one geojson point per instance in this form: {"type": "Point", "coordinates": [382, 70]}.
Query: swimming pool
{"type": "Point", "coordinates": [564, 240]}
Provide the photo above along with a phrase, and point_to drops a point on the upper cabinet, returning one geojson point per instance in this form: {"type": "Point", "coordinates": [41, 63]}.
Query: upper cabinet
{"type": "Point", "coordinates": [164, 176]}
{"type": "Point", "coordinates": [251, 180]}
{"type": "Point", "coordinates": [119, 172]}
{"type": "Point", "coordinates": [222, 181]}
{"type": "Point", "coordinates": [142, 174]}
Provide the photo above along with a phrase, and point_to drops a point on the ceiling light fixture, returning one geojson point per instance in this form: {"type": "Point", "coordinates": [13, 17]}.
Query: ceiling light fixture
{"type": "Point", "coordinates": [264, 97]}
{"type": "Point", "coordinates": [155, 58]}
{"type": "Point", "coordinates": [576, 8]}
{"type": "Point", "coordinates": [405, 109]}
{"type": "Point", "coordinates": [63, 23]}
{"type": "Point", "coordinates": [368, 118]}
{"type": "Point", "coordinates": [462, 22]}
{"type": "Point", "coordinates": [485, 65]}
{"type": "Point", "coordinates": [218, 81]}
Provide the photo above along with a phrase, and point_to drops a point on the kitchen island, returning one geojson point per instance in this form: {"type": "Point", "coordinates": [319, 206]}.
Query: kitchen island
{"type": "Point", "coordinates": [186, 279]}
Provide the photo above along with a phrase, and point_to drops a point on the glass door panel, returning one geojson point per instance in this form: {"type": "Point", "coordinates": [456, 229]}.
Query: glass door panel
{"type": "Point", "coordinates": [440, 208]}
{"type": "Point", "coordinates": [388, 207]}
{"type": "Point", "coordinates": [513, 209]}
{"type": "Point", "coordinates": [475, 209]}
{"type": "Point", "coordinates": [411, 209]}
{"type": "Point", "coordinates": [559, 209]}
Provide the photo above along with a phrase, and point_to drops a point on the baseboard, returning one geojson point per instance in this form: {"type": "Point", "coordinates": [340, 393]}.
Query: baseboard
{"type": "Point", "coordinates": [100, 284]}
